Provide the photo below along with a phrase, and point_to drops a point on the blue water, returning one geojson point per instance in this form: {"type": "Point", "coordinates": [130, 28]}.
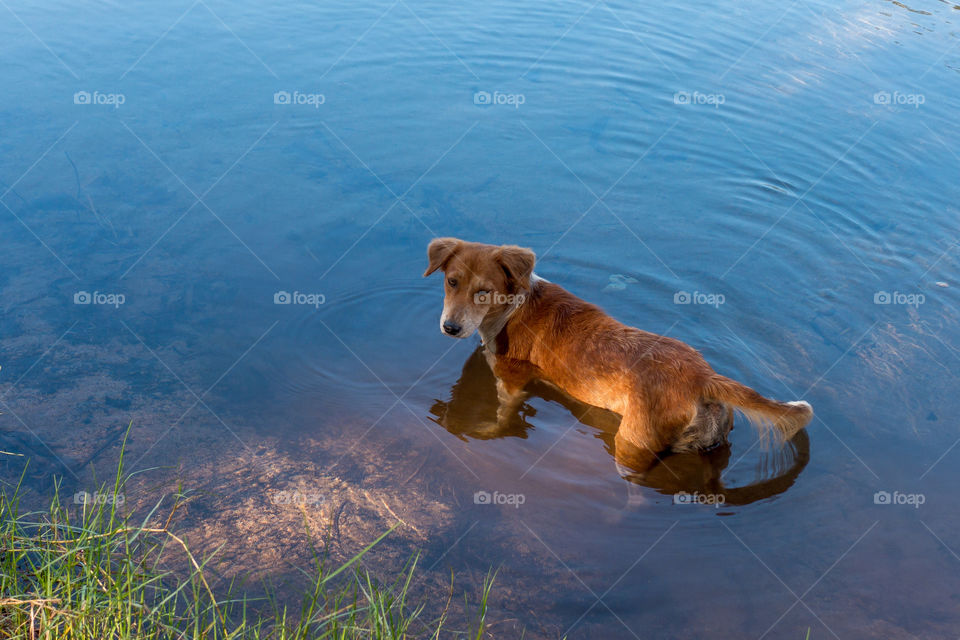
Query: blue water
{"type": "Point", "coordinates": [798, 161]}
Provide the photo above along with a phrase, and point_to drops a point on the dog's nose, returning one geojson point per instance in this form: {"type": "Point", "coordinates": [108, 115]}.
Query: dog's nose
{"type": "Point", "coordinates": [451, 328]}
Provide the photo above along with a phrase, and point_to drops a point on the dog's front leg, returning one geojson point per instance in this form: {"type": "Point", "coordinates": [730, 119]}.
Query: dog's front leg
{"type": "Point", "coordinates": [511, 397]}
{"type": "Point", "coordinates": [512, 378]}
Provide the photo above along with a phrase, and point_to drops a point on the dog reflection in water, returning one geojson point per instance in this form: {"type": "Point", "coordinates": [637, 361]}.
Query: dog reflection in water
{"type": "Point", "coordinates": [472, 412]}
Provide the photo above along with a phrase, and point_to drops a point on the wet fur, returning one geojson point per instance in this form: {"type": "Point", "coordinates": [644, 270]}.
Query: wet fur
{"type": "Point", "coordinates": [667, 394]}
{"type": "Point", "coordinates": [473, 402]}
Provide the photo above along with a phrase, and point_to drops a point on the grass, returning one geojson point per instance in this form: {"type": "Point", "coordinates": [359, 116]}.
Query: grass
{"type": "Point", "coordinates": [92, 573]}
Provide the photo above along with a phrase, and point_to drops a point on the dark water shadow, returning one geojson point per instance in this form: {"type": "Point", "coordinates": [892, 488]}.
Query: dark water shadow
{"type": "Point", "coordinates": [471, 412]}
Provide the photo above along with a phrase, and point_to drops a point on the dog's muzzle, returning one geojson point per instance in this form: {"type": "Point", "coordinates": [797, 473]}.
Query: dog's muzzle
{"type": "Point", "coordinates": [452, 328]}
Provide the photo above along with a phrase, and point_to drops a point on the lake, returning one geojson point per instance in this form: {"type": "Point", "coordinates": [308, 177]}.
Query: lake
{"type": "Point", "coordinates": [215, 218]}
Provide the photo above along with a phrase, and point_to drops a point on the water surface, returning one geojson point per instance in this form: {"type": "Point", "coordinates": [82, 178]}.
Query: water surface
{"type": "Point", "coordinates": [796, 161]}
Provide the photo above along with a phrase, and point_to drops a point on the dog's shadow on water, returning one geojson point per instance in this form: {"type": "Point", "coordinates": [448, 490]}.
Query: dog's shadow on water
{"type": "Point", "coordinates": [471, 412]}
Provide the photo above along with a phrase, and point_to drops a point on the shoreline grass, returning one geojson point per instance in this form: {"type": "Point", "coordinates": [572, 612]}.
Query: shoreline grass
{"type": "Point", "coordinates": [93, 573]}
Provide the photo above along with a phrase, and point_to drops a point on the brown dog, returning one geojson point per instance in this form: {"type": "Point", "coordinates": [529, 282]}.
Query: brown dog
{"type": "Point", "coordinates": [668, 396]}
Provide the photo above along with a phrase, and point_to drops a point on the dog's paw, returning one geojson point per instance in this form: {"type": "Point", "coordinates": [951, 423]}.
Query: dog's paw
{"type": "Point", "coordinates": [487, 428]}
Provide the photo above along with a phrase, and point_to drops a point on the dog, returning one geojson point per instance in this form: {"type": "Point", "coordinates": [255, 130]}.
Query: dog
{"type": "Point", "coordinates": [473, 401]}
{"type": "Point", "coordinates": [668, 397]}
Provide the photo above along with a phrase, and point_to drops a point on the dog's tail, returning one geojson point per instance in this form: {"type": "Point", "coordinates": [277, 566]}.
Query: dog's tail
{"type": "Point", "coordinates": [781, 419]}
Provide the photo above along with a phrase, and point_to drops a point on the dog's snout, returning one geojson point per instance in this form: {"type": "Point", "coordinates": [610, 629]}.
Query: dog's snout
{"type": "Point", "coordinates": [451, 328]}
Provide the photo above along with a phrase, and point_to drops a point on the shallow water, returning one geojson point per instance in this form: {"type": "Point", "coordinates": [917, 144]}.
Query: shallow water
{"type": "Point", "coordinates": [792, 167]}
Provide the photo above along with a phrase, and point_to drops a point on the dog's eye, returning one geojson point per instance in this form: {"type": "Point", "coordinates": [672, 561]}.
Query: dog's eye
{"type": "Point", "coordinates": [452, 282]}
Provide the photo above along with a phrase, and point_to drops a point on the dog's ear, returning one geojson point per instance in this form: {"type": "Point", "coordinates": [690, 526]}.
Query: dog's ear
{"type": "Point", "coordinates": [439, 252]}
{"type": "Point", "coordinates": [517, 263]}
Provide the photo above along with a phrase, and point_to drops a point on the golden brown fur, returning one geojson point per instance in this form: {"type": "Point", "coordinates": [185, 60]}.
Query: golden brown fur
{"type": "Point", "coordinates": [667, 394]}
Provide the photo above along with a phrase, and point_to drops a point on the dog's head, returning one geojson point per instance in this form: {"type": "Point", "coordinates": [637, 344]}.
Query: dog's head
{"type": "Point", "coordinates": [482, 282]}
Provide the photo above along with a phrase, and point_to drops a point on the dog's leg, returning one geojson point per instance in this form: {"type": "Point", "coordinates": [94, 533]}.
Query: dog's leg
{"type": "Point", "coordinates": [639, 442]}
{"type": "Point", "coordinates": [511, 398]}
{"type": "Point", "coordinates": [512, 378]}
{"type": "Point", "coordinates": [709, 428]}
{"type": "Point", "coordinates": [632, 458]}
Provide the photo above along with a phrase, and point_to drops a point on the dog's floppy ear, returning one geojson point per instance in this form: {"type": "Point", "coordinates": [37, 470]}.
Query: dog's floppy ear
{"type": "Point", "coordinates": [517, 263]}
{"type": "Point", "coordinates": [439, 252]}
